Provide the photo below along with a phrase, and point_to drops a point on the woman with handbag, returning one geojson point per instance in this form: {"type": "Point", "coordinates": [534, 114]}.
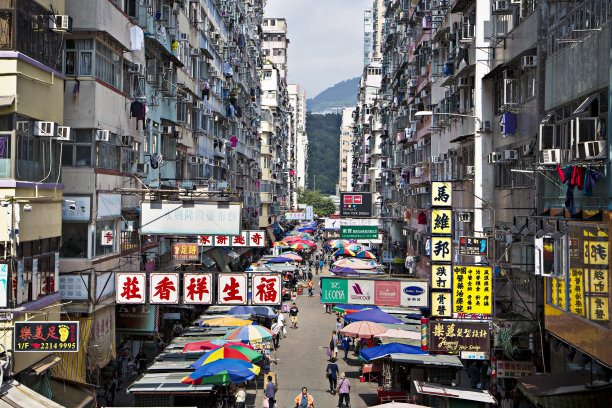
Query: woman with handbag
{"type": "Point", "coordinates": [332, 375]}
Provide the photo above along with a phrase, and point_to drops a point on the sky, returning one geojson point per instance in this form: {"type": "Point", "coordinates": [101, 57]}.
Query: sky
{"type": "Point", "coordinates": [326, 40]}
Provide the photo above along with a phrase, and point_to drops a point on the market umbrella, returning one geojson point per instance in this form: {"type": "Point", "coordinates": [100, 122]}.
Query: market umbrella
{"type": "Point", "coordinates": [365, 255]}
{"type": "Point", "coordinates": [344, 308]}
{"type": "Point", "coordinates": [279, 259]}
{"type": "Point", "coordinates": [306, 235]}
{"type": "Point", "coordinates": [240, 310]}
{"type": "Point", "coordinates": [223, 372]}
{"type": "Point", "coordinates": [264, 311]}
{"type": "Point", "coordinates": [353, 247]}
{"type": "Point", "coordinates": [292, 255]}
{"type": "Point", "coordinates": [343, 271]}
{"type": "Point", "coordinates": [400, 334]}
{"type": "Point", "coordinates": [354, 264]}
{"type": "Point", "coordinates": [363, 329]}
{"type": "Point", "coordinates": [374, 353]}
{"type": "Point", "coordinates": [212, 345]}
{"type": "Point", "coordinates": [337, 245]}
{"type": "Point", "coordinates": [292, 238]}
{"type": "Point", "coordinates": [372, 315]}
{"type": "Point", "coordinates": [299, 246]}
{"type": "Point", "coordinates": [251, 334]}
{"type": "Point", "coordinates": [344, 252]}
{"type": "Point", "coordinates": [225, 321]}
{"type": "Point", "coordinates": [235, 352]}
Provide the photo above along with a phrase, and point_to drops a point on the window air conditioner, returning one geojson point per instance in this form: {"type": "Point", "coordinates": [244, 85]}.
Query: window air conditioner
{"type": "Point", "coordinates": [102, 135]}
{"type": "Point", "coordinates": [510, 155]}
{"type": "Point", "coordinates": [495, 157]}
{"type": "Point", "coordinates": [417, 101]}
{"type": "Point", "coordinates": [44, 128]}
{"type": "Point", "coordinates": [142, 168]}
{"type": "Point", "coordinates": [464, 216]}
{"type": "Point", "coordinates": [194, 159]}
{"type": "Point", "coordinates": [60, 23]}
{"type": "Point", "coordinates": [435, 159]}
{"type": "Point", "coordinates": [501, 6]}
{"type": "Point", "coordinates": [529, 61]}
{"type": "Point", "coordinates": [178, 134]}
{"type": "Point", "coordinates": [63, 133]}
{"type": "Point", "coordinates": [469, 170]}
{"type": "Point", "coordinates": [554, 156]}
{"type": "Point", "coordinates": [127, 226]}
{"type": "Point", "coordinates": [195, 52]}
{"type": "Point", "coordinates": [593, 150]}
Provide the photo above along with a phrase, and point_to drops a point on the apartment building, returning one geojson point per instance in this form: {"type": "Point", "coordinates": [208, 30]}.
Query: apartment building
{"type": "Point", "coordinates": [298, 147]}
{"type": "Point", "coordinates": [276, 44]}
{"type": "Point", "coordinates": [345, 171]}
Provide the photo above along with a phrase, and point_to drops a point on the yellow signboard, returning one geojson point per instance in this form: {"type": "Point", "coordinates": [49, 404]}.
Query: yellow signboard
{"type": "Point", "coordinates": [576, 292]}
{"type": "Point", "coordinates": [598, 308]}
{"type": "Point", "coordinates": [441, 194]}
{"type": "Point", "coordinates": [441, 276]}
{"type": "Point", "coordinates": [596, 253]}
{"type": "Point", "coordinates": [441, 249]}
{"type": "Point", "coordinates": [441, 304]}
{"type": "Point", "coordinates": [441, 222]}
{"type": "Point", "coordinates": [598, 280]}
{"type": "Point", "coordinates": [472, 290]}
{"type": "Point", "coordinates": [560, 293]}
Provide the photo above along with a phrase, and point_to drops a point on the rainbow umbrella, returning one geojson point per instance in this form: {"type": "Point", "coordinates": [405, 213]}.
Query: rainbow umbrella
{"type": "Point", "coordinates": [291, 255]}
{"type": "Point", "coordinates": [365, 255]}
{"type": "Point", "coordinates": [225, 321]}
{"type": "Point", "coordinates": [251, 334]}
{"type": "Point", "coordinates": [223, 372]}
{"type": "Point", "coordinates": [306, 235]}
{"type": "Point", "coordinates": [344, 252]}
{"type": "Point", "coordinates": [301, 245]}
{"type": "Point", "coordinates": [355, 263]}
{"type": "Point", "coordinates": [354, 247]}
{"type": "Point", "coordinates": [337, 245]}
{"type": "Point", "coordinates": [235, 352]}
{"type": "Point", "coordinates": [212, 345]}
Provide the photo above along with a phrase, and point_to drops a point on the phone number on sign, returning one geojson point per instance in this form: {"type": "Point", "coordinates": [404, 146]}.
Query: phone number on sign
{"type": "Point", "coordinates": [46, 346]}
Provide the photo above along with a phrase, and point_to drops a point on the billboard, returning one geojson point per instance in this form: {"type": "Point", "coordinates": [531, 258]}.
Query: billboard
{"type": "Point", "coordinates": [359, 232]}
{"type": "Point", "coordinates": [472, 290]}
{"type": "Point", "coordinates": [46, 336]}
{"type": "Point", "coordinates": [453, 337]}
{"type": "Point", "coordinates": [336, 224]}
{"type": "Point", "coordinates": [355, 204]}
{"type": "Point", "coordinates": [407, 293]}
{"type": "Point", "coordinates": [165, 217]}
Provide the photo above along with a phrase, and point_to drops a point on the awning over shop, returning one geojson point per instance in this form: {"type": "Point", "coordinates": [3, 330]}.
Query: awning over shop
{"type": "Point", "coordinates": [16, 395]}
{"type": "Point", "coordinates": [45, 364]}
{"type": "Point", "coordinates": [161, 383]}
{"type": "Point", "coordinates": [71, 395]}
{"type": "Point", "coordinates": [426, 359]}
{"type": "Point", "coordinates": [461, 393]}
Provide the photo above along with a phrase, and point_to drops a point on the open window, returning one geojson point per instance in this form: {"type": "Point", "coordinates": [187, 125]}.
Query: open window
{"type": "Point", "coordinates": [589, 141]}
{"type": "Point", "coordinates": [550, 256]}
{"type": "Point", "coordinates": [553, 146]}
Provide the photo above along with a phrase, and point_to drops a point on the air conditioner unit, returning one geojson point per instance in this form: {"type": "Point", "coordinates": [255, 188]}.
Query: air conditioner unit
{"type": "Point", "coordinates": [44, 128]}
{"type": "Point", "coordinates": [23, 126]}
{"type": "Point", "coordinates": [127, 226]}
{"type": "Point", "coordinates": [495, 157]}
{"type": "Point", "coordinates": [424, 93]}
{"type": "Point", "coordinates": [60, 23]}
{"type": "Point", "coordinates": [469, 170]}
{"type": "Point", "coordinates": [207, 112]}
{"type": "Point", "coordinates": [63, 133]}
{"type": "Point", "coordinates": [194, 159]}
{"type": "Point", "coordinates": [529, 61]}
{"type": "Point", "coordinates": [501, 6]}
{"type": "Point", "coordinates": [464, 82]}
{"type": "Point", "coordinates": [510, 155]}
{"type": "Point", "coordinates": [419, 172]}
{"type": "Point", "coordinates": [142, 168]}
{"type": "Point", "coordinates": [167, 130]}
{"type": "Point", "coordinates": [413, 82]}
{"type": "Point", "coordinates": [161, 70]}
{"type": "Point", "coordinates": [136, 68]}
{"type": "Point", "coordinates": [554, 156]}
{"type": "Point", "coordinates": [593, 150]}
{"type": "Point", "coordinates": [183, 37]}
{"type": "Point", "coordinates": [178, 134]}
{"type": "Point", "coordinates": [525, 150]}
{"type": "Point", "coordinates": [464, 216]}
{"type": "Point", "coordinates": [102, 135]}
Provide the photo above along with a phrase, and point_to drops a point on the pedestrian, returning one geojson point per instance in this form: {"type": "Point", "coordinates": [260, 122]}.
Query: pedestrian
{"type": "Point", "coordinates": [270, 392]}
{"type": "Point", "coordinates": [240, 397]}
{"type": "Point", "coordinates": [141, 358]}
{"type": "Point", "coordinates": [333, 345]}
{"type": "Point", "coordinates": [276, 329]}
{"type": "Point", "coordinates": [344, 388]}
{"type": "Point", "coordinates": [321, 264]}
{"type": "Point", "coordinates": [177, 329]}
{"type": "Point", "coordinates": [309, 275]}
{"type": "Point", "coordinates": [316, 268]}
{"type": "Point", "coordinates": [310, 288]}
{"type": "Point", "coordinates": [293, 313]}
{"type": "Point", "coordinates": [304, 399]}
{"type": "Point", "coordinates": [346, 345]}
{"type": "Point", "coordinates": [280, 319]}
{"type": "Point", "coordinates": [332, 375]}
{"type": "Point", "coordinates": [112, 390]}
{"type": "Point", "coordinates": [338, 328]}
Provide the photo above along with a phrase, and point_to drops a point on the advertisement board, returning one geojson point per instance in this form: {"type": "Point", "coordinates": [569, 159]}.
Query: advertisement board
{"type": "Point", "coordinates": [355, 204]}
{"type": "Point", "coordinates": [453, 337]}
{"type": "Point", "coordinates": [472, 289]}
{"type": "Point", "coordinates": [76, 208]}
{"type": "Point", "coordinates": [183, 251]}
{"type": "Point", "coordinates": [334, 290]}
{"type": "Point", "coordinates": [46, 336]}
{"type": "Point", "coordinates": [335, 224]}
{"type": "Point", "coordinates": [408, 293]}
{"type": "Point", "coordinates": [473, 246]}
{"type": "Point", "coordinates": [359, 232]}
{"type": "Point", "coordinates": [180, 218]}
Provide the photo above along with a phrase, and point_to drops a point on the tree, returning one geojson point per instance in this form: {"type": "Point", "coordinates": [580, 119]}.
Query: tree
{"type": "Point", "coordinates": [322, 205]}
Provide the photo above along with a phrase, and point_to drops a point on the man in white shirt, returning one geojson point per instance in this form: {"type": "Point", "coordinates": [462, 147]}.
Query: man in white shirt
{"type": "Point", "coordinates": [280, 320]}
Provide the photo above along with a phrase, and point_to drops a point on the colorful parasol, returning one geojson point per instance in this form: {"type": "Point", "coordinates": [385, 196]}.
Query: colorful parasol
{"type": "Point", "coordinates": [344, 252]}
{"type": "Point", "coordinates": [292, 239]}
{"type": "Point", "coordinates": [225, 321]}
{"type": "Point", "coordinates": [212, 345]}
{"type": "Point", "coordinates": [337, 245]}
{"type": "Point", "coordinates": [365, 255]}
{"type": "Point", "coordinates": [291, 255]}
{"type": "Point", "coordinates": [235, 352]}
{"type": "Point", "coordinates": [300, 246]}
{"type": "Point", "coordinates": [354, 264]}
{"type": "Point", "coordinates": [354, 247]}
{"type": "Point", "coordinates": [251, 334]}
{"type": "Point", "coordinates": [223, 372]}
{"type": "Point", "coordinates": [363, 329]}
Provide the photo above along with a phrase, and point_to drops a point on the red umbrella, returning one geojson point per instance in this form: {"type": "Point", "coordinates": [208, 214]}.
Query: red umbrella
{"type": "Point", "coordinates": [291, 239]}
{"type": "Point", "coordinates": [212, 345]}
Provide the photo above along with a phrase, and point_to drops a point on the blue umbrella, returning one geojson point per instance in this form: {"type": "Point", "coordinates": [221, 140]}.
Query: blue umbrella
{"type": "Point", "coordinates": [279, 259]}
{"type": "Point", "coordinates": [371, 315]}
{"type": "Point", "coordinates": [241, 310]}
{"type": "Point", "coordinates": [373, 353]}
{"type": "Point", "coordinates": [264, 311]}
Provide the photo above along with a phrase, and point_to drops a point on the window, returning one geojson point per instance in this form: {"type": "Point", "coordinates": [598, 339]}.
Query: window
{"type": "Point", "coordinates": [278, 52]}
{"type": "Point", "coordinates": [129, 157]}
{"type": "Point", "coordinates": [74, 240]}
{"type": "Point", "coordinates": [78, 57]}
{"type": "Point", "coordinates": [106, 237]}
{"type": "Point", "coordinates": [108, 65]}
{"type": "Point", "coordinates": [107, 156]}
{"type": "Point", "coordinates": [78, 152]}
{"type": "Point", "coordinates": [37, 158]}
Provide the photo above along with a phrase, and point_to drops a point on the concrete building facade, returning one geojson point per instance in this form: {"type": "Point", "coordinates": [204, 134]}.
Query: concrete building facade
{"type": "Point", "coordinates": [276, 44]}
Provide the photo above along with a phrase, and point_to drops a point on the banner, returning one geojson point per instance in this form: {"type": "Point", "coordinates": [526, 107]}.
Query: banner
{"type": "Point", "coordinates": [335, 224]}
{"type": "Point", "coordinates": [472, 290]}
{"type": "Point", "coordinates": [184, 251]}
{"type": "Point", "coordinates": [190, 219]}
{"type": "Point", "coordinates": [232, 289]}
{"type": "Point", "coordinates": [46, 336]}
{"type": "Point", "coordinates": [245, 239]}
{"type": "Point", "coordinates": [407, 293]}
{"type": "Point", "coordinates": [355, 205]}
{"type": "Point", "coordinates": [454, 337]}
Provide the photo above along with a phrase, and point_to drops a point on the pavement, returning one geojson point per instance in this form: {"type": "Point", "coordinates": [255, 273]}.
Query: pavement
{"type": "Point", "coordinates": [302, 359]}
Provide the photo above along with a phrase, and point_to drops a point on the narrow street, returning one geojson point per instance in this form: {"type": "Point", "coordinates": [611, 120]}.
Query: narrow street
{"type": "Point", "coordinates": [302, 360]}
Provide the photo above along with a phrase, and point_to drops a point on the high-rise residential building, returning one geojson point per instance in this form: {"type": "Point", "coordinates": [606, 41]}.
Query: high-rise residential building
{"type": "Point", "coordinates": [275, 44]}
{"type": "Point", "coordinates": [378, 24]}
{"type": "Point", "coordinates": [299, 139]}
{"type": "Point", "coordinates": [368, 34]}
{"type": "Point", "coordinates": [345, 173]}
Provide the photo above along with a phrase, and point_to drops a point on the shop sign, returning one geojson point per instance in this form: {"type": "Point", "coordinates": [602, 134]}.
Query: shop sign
{"type": "Point", "coordinates": [474, 355]}
{"type": "Point", "coordinates": [514, 369]}
{"type": "Point", "coordinates": [441, 194]}
{"type": "Point", "coordinates": [408, 293]}
{"type": "Point", "coordinates": [266, 289]}
{"type": "Point", "coordinates": [74, 287]}
{"type": "Point", "coordinates": [232, 289]}
{"type": "Point", "coordinates": [361, 292]}
{"type": "Point", "coordinates": [359, 232]}
{"type": "Point", "coordinates": [46, 336]}
{"type": "Point", "coordinates": [163, 288]}
{"type": "Point", "coordinates": [183, 251]}
{"type": "Point", "coordinates": [130, 287]}
{"type": "Point", "coordinates": [441, 222]}
{"type": "Point", "coordinates": [355, 205]}
{"type": "Point", "coordinates": [107, 237]}
{"type": "Point", "coordinates": [200, 218]}
{"type": "Point", "coordinates": [414, 294]}
{"type": "Point", "coordinates": [76, 208]}
{"type": "Point", "coordinates": [256, 239]}
{"type": "Point", "coordinates": [197, 288]}
{"type": "Point", "coordinates": [441, 276]}
{"type": "Point", "coordinates": [472, 291]}
{"type": "Point", "coordinates": [387, 293]}
{"type": "Point", "coordinates": [309, 212]}
{"type": "Point", "coordinates": [222, 241]}
{"type": "Point", "coordinates": [453, 337]}
{"type": "Point", "coordinates": [334, 224]}
{"type": "Point", "coordinates": [334, 290]}
{"type": "Point", "coordinates": [295, 215]}
{"type": "Point", "coordinates": [241, 240]}
{"type": "Point", "coordinates": [4, 281]}
{"type": "Point", "coordinates": [139, 318]}
{"type": "Point", "coordinates": [441, 304]}
{"type": "Point", "coordinates": [245, 239]}
{"type": "Point", "coordinates": [441, 249]}
{"type": "Point", "coordinates": [172, 316]}
{"type": "Point", "coordinates": [473, 246]}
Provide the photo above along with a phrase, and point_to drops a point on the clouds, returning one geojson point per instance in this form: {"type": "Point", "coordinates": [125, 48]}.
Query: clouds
{"type": "Point", "coordinates": [326, 40]}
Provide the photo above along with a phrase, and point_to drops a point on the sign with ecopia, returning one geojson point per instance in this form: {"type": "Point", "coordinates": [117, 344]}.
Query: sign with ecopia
{"type": "Point", "coordinates": [334, 290]}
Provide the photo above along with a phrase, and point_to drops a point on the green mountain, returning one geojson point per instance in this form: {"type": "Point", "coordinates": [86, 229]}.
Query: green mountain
{"type": "Point", "coordinates": [341, 95]}
{"type": "Point", "coordinates": [323, 151]}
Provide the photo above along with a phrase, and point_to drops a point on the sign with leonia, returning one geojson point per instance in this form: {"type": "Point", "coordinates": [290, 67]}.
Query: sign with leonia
{"type": "Point", "coordinates": [454, 337]}
{"type": "Point", "coordinates": [46, 336]}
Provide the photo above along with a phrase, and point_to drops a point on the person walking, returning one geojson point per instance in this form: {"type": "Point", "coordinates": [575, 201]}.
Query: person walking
{"type": "Point", "coordinates": [310, 288]}
{"type": "Point", "coordinates": [321, 263]}
{"type": "Point", "coordinates": [240, 397]}
{"type": "Point", "coordinates": [293, 314]}
{"type": "Point", "coordinates": [333, 345]}
{"type": "Point", "coordinates": [270, 392]}
{"type": "Point", "coordinates": [304, 399]}
{"type": "Point", "coordinates": [332, 375]}
{"type": "Point", "coordinates": [280, 319]}
{"type": "Point", "coordinates": [346, 345]}
{"type": "Point", "coordinates": [344, 388]}
{"type": "Point", "coordinates": [339, 327]}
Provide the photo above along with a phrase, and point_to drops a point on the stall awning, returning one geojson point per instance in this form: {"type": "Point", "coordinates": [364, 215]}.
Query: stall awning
{"type": "Point", "coordinates": [17, 395]}
{"type": "Point", "coordinates": [71, 395]}
{"type": "Point", "coordinates": [426, 359]}
{"type": "Point", "coordinates": [45, 364]}
{"type": "Point", "coordinates": [461, 393]}
{"type": "Point", "coordinates": [161, 383]}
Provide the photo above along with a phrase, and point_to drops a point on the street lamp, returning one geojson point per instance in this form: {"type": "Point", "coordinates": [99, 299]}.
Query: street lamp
{"type": "Point", "coordinates": [458, 115]}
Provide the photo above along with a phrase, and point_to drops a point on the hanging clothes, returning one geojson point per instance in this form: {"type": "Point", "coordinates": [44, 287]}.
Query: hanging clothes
{"type": "Point", "coordinates": [422, 218]}
{"type": "Point", "coordinates": [427, 23]}
{"type": "Point", "coordinates": [136, 38]}
{"type": "Point", "coordinates": [137, 110]}
{"type": "Point", "coordinates": [591, 177]}
{"type": "Point", "coordinates": [508, 123]}
{"type": "Point", "coordinates": [463, 55]}
{"type": "Point", "coordinates": [574, 176]}
{"type": "Point", "coordinates": [234, 141]}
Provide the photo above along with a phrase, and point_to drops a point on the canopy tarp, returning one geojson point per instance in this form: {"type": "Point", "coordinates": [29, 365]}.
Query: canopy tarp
{"type": "Point", "coordinates": [371, 315]}
{"type": "Point", "coordinates": [373, 353]}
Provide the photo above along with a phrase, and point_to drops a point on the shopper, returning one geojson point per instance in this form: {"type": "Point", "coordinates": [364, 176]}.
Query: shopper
{"type": "Point", "coordinates": [332, 375]}
{"type": "Point", "coordinates": [293, 313]}
{"type": "Point", "coordinates": [346, 345]}
{"type": "Point", "coordinates": [310, 288]}
{"type": "Point", "coordinates": [344, 388]}
{"type": "Point", "coordinates": [339, 327]}
{"type": "Point", "coordinates": [270, 392]}
{"type": "Point", "coordinates": [304, 399]}
{"type": "Point", "coordinates": [280, 319]}
{"type": "Point", "coordinates": [333, 345]}
{"type": "Point", "coordinates": [240, 397]}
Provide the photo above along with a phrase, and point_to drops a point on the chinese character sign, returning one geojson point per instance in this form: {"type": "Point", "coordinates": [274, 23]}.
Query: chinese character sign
{"type": "Point", "coordinates": [441, 276]}
{"type": "Point", "coordinates": [206, 240]}
{"type": "Point", "coordinates": [256, 239]}
{"type": "Point", "coordinates": [222, 240]}
{"type": "Point", "coordinates": [266, 289]}
{"type": "Point", "coordinates": [184, 251]}
{"type": "Point", "coordinates": [441, 222]}
{"type": "Point", "coordinates": [107, 237]}
{"type": "Point", "coordinates": [441, 304]}
{"type": "Point", "coordinates": [598, 310]}
{"type": "Point", "coordinates": [441, 194]}
{"type": "Point", "coordinates": [197, 288]}
{"type": "Point", "coordinates": [130, 287]}
{"type": "Point", "coordinates": [472, 291]}
{"type": "Point", "coordinates": [576, 292]}
{"type": "Point", "coordinates": [514, 369]}
{"type": "Point", "coordinates": [232, 289]}
{"type": "Point", "coordinates": [441, 249]}
{"type": "Point", "coordinates": [453, 337]}
{"type": "Point", "coordinates": [163, 288]}
{"type": "Point", "coordinates": [241, 240]}
{"type": "Point", "coordinates": [46, 336]}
